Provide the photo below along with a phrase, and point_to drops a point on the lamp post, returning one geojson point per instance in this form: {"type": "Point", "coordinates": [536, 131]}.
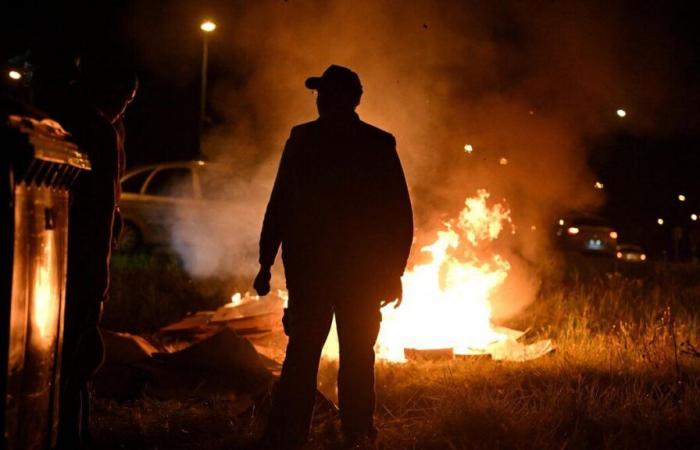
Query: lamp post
{"type": "Point", "coordinates": [207, 27]}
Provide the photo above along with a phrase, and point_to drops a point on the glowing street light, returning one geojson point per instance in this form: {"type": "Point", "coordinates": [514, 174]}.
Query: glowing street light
{"type": "Point", "coordinates": [660, 221]}
{"type": "Point", "coordinates": [599, 185]}
{"type": "Point", "coordinates": [561, 222]}
{"type": "Point", "coordinates": [681, 197]}
{"type": "Point", "coordinates": [503, 161]}
{"type": "Point", "coordinates": [694, 217]}
{"type": "Point", "coordinates": [621, 113]}
{"type": "Point", "coordinates": [468, 148]}
{"type": "Point", "coordinates": [15, 75]}
{"type": "Point", "coordinates": [207, 26]}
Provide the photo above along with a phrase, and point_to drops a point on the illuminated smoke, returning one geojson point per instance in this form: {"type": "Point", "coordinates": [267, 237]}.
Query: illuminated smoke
{"type": "Point", "coordinates": [526, 82]}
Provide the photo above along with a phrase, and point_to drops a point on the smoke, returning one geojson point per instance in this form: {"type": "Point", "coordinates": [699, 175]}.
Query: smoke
{"type": "Point", "coordinates": [524, 83]}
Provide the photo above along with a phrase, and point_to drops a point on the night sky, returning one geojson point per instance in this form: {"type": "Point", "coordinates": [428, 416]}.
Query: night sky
{"type": "Point", "coordinates": [644, 165]}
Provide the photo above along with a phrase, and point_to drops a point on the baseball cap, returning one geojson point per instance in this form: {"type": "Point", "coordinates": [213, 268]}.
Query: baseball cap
{"type": "Point", "coordinates": [338, 79]}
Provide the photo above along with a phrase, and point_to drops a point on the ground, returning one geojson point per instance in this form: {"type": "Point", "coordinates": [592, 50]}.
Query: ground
{"type": "Point", "coordinates": [626, 374]}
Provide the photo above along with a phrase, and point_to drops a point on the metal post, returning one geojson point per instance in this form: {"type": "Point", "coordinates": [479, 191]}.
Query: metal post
{"type": "Point", "coordinates": [203, 92]}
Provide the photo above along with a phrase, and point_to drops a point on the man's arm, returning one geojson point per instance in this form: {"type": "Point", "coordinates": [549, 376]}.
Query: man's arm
{"type": "Point", "coordinates": [400, 232]}
{"type": "Point", "coordinates": [402, 213]}
{"type": "Point", "coordinates": [274, 222]}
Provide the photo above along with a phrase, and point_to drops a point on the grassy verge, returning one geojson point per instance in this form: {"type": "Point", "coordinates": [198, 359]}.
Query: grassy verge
{"type": "Point", "coordinates": [150, 290]}
{"type": "Point", "coordinates": [624, 376]}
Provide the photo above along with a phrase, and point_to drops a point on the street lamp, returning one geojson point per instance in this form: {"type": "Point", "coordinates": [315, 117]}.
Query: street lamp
{"type": "Point", "coordinates": [207, 27]}
{"type": "Point", "coordinates": [14, 75]}
{"type": "Point", "coordinates": [621, 113]}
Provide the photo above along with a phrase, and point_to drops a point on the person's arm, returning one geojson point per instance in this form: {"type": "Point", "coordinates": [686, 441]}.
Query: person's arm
{"type": "Point", "coordinates": [399, 235]}
{"type": "Point", "coordinates": [274, 222]}
{"type": "Point", "coordinates": [402, 213]}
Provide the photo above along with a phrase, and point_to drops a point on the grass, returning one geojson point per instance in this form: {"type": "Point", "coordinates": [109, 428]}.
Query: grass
{"type": "Point", "coordinates": [624, 376]}
{"type": "Point", "coordinates": [151, 290]}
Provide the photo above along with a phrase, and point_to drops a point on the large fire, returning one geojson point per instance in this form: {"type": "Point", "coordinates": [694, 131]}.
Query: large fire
{"type": "Point", "coordinates": [447, 301]}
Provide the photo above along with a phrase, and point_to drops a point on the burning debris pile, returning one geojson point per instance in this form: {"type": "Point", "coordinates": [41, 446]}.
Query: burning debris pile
{"type": "Point", "coordinates": [447, 301]}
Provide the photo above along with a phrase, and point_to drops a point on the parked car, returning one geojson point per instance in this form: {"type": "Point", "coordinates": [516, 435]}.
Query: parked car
{"type": "Point", "coordinates": [630, 253]}
{"type": "Point", "coordinates": [588, 234]}
{"type": "Point", "coordinates": [152, 196]}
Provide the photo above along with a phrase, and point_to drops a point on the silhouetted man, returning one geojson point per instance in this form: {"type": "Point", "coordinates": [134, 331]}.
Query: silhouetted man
{"type": "Point", "coordinates": [341, 211]}
{"type": "Point", "coordinates": [91, 109]}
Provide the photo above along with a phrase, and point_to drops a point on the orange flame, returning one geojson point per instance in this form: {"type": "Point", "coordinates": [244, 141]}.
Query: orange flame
{"type": "Point", "coordinates": [447, 301]}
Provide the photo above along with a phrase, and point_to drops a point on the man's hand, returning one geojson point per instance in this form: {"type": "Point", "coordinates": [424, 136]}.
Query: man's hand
{"type": "Point", "coordinates": [262, 281]}
{"type": "Point", "coordinates": [392, 293]}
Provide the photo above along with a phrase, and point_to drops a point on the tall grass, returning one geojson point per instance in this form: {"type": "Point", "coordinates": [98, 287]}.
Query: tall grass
{"type": "Point", "coordinates": [624, 376]}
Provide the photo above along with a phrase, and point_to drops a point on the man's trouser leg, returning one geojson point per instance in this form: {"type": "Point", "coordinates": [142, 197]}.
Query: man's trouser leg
{"type": "Point", "coordinates": [357, 320]}
{"type": "Point", "coordinates": [307, 322]}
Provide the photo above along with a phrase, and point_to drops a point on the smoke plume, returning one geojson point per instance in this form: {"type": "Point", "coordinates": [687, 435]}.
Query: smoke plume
{"type": "Point", "coordinates": [523, 83]}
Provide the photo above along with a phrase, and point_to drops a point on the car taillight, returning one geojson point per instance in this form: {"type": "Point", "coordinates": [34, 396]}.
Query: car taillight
{"type": "Point", "coordinates": [573, 230]}
{"type": "Point", "coordinates": [613, 235]}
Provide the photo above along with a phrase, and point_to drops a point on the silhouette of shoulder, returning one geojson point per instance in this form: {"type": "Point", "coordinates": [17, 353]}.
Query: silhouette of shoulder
{"type": "Point", "coordinates": [377, 133]}
{"type": "Point", "coordinates": [303, 129]}
{"type": "Point", "coordinates": [369, 131]}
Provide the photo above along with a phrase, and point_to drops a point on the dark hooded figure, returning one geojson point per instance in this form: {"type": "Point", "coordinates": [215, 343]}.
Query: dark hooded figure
{"type": "Point", "coordinates": [91, 109]}
{"type": "Point", "coordinates": [341, 211]}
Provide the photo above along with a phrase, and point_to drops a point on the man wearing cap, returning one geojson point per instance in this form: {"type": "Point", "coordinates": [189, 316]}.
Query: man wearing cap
{"type": "Point", "coordinates": [340, 209]}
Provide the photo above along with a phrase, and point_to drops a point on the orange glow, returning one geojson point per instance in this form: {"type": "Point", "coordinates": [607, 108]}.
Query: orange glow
{"type": "Point", "coordinates": [44, 295]}
{"type": "Point", "coordinates": [613, 235]}
{"type": "Point", "coordinates": [643, 257]}
{"type": "Point", "coordinates": [619, 255]}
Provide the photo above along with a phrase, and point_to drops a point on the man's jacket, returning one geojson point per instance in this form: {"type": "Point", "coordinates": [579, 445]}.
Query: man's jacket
{"type": "Point", "coordinates": [339, 206]}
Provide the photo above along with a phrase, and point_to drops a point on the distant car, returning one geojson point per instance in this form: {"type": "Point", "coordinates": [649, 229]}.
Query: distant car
{"type": "Point", "coordinates": [630, 253]}
{"type": "Point", "coordinates": [152, 195]}
{"type": "Point", "coordinates": [587, 234]}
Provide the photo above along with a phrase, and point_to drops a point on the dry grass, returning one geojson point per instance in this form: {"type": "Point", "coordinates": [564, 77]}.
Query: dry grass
{"type": "Point", "coordinates": [624, 377]}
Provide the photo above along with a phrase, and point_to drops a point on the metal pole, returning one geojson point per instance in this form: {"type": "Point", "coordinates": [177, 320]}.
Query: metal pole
{"type": "Point", "coordinates": [203, 92]}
